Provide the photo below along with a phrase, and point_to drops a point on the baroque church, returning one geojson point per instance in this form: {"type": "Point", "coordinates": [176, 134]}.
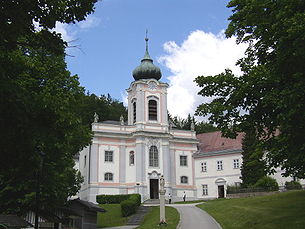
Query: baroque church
{"type": "Point", "coordinates": [130, 156]}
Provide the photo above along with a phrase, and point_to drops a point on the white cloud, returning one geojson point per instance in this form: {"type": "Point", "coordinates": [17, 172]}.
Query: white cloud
{"type": "Point", "coordinates": [90, 22]}
{"type": "Point", "coordinates": [65, 30]}
{"type": "Point", "coordinates": [200, 54]}
{"type": "Point", "coordinates": [124, 97]}
{"type": "Point", "coordinates": [69, 31]}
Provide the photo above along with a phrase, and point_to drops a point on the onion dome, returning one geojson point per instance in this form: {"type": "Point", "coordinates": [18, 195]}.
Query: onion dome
{"type": "Point", "coordinates": [146, 70]}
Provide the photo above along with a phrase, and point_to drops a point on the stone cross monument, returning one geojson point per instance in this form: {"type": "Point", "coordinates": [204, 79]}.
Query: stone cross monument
{"type": "Point", "coordinates": [162, 201]}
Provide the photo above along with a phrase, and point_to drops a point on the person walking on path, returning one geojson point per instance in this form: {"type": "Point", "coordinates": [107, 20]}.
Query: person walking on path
{"type": "Point", "coordinates": [184, 196]}
{"type": "Point", "coordinates": [169, 198]}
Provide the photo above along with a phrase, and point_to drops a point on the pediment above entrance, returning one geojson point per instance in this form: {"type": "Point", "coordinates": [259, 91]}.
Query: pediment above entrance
{"type": "Point", "coordinates": [154, 175]}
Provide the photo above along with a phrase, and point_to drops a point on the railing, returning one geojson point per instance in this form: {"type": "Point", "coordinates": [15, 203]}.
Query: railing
{"type": "Point", "coordinates": [245, 190]}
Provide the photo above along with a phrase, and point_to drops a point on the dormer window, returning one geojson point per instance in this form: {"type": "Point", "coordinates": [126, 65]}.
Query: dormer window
{"type": "Point", "coordinates": [152, 110]}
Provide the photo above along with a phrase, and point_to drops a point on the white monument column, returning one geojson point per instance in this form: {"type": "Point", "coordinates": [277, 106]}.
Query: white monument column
{"type": "Point", "coordinates": [162, 201]}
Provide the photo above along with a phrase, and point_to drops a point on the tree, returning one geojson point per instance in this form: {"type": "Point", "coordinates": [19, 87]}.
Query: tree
{"type": "Point", "coordinates": [185, 124]}
{"type": "Point", "coordinates": [39, 112]}
{"type": "Point", "coordinates": [107, 108]}
{"type": "Point", "coordinates": [18, 18]}
{"type": "Point", "coordinates": [203, 127]}
{"type": "Point", "coordinates": [38, 104]}
{"type": "Point", "coordinates": [269, 95]}
{"type": "Point", "coordinates": [253, 167]}
{"type": "Point", "coordinates": [181, 123]}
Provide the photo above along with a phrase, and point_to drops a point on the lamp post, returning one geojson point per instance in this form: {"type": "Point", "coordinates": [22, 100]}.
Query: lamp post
{"type": "Point", "coordinates": [37, 194]}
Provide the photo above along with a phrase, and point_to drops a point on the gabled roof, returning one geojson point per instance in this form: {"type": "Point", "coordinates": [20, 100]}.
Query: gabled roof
{"type": "Point", "coordinates": [213, 142]}
{"type": "Point", "coordinates": [14, 221]}
{"type": "Point", "coordinates": [88, 205]}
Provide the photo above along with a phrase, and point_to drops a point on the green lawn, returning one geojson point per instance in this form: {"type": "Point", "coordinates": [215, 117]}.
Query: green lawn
{"type": "Point", "coordinates": [278, 211]}
{"type": "Point", "coordinates": [112, 217]}
{"type": "Point", "coordinates": [152, 218]}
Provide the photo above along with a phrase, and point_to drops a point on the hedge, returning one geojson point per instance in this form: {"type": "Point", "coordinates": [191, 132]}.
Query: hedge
{"type": "Point", "coordinates": [267, 183]}
{"type": "Point", "coordinates": [129, 202]}
{"type": "Point", "coordinates": [291, 185]}
{"type": "Point", "coordinates": [112, 199]}
{"type": "Point", "coordinates": [234, 189]}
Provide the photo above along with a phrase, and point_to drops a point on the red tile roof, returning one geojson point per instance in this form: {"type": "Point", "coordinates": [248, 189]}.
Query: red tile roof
{"type": "Point", "coordinates": [213, 141]}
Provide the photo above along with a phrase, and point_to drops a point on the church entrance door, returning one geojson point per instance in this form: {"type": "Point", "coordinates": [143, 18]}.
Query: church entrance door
{"type": "Point", "coordinates": [154, 188]}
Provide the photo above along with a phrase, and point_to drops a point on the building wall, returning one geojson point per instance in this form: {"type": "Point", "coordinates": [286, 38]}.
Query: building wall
{"type": "Point", "coordinates": [214, 177]}
{"type": "Point", "coordinates": [108, 167]}
{"type": "Point", "coordinates": [281, 179]}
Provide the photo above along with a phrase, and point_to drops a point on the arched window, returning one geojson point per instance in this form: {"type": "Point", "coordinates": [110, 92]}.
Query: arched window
{"type": "Point", "coordinates": [153, 156]}
{"type": "Point", "coordinates": [152, 110]}
{"type": "Point", "coordinates": [134, 109]}
{"type": "Point", "coordinates": [131, 158]}
{"type": "Point", "coordinates": [108, 177]}
{"type": "Point", "coordinates": [184, 180]}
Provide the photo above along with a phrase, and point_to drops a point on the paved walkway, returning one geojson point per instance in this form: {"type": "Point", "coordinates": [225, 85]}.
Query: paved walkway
{"type": "Point", "coordinates": [192, 217]}
{"type": "Point", "coordinates": [122, 227]}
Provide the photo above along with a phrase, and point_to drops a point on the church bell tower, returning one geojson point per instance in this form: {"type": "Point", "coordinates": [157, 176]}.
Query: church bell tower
{"type": "Point", "coordinates": [147, 96]}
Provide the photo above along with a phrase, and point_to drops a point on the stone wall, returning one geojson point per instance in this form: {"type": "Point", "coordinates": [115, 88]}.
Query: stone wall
{"type": "Point", "coordinates": [249, 194]}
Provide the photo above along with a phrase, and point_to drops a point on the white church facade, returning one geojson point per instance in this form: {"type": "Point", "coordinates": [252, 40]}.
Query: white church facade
{"type": "Point", "coordinates": [130, 156]}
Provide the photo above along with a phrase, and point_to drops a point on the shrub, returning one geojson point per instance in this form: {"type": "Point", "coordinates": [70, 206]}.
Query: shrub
{"type": "Point", "coordinates": [130, 205]}
{"type": "Point", "coordinates": [290, 185]}
{"type": "Point", "coordinates": [233, 189]}
{"type": "Point", "coordinates": [112, 199]}
{"type": "Point", "coordinates": [129, 202]}
{"type": "Point", "coordinates": [241, 189]}
{"type": "Point", "coordinates": [267, 183]}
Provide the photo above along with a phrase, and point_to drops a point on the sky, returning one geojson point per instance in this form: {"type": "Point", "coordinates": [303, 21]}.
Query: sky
{"type": "Point", "coordinates": [186, 39]}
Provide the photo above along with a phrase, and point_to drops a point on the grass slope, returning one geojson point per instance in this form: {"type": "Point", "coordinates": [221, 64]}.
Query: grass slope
{"type": "Point", "coordinates": [279, 211]}
{"type": "Point", "coordinates": [152, 218]}
{"type": "Point", "coordinates": [112, 217]}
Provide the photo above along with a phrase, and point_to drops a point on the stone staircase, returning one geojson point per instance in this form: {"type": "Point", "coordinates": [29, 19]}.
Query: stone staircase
{"type": "Point", "coordinates": [152, 201]}
{"type": "Point", "coordinates": [137, 218]}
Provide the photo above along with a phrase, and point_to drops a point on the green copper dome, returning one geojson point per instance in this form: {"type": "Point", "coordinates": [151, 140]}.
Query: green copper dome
{"type": "Point", "coordinates": [146, 70]}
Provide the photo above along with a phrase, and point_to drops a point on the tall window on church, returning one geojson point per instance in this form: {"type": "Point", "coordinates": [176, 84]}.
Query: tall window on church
{"type": "Point", "coordinates": [131, 158]}
{"type": "Point", "coordinates": [134, 109]}
{"type": "Point", "coordinates": [153, 157]}
{"type": "Point", "coordinates": [108, 156]}
{"type": "Point", "coordinates": [108, 177]}
{"type": "Point", "coordinates": [183, 160]}
{"type": "Point", "coordinates": [152, 110]}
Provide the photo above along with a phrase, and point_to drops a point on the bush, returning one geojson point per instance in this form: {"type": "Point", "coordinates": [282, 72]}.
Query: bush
{"type": "Point", "coordinates": [290, 185]}
{"type": "Point", "coordinates": [267, 183]}
{"type": "Point", "coordinates": [112, 199]}
{"type": "Point", "coordinates": [240, 189]}
{"type": "Point", "coordinates": [233, 189]}
{"type": "Point", "coordinates": [130, 205]}
{"type": "Point", "coordinates": [129, 202]}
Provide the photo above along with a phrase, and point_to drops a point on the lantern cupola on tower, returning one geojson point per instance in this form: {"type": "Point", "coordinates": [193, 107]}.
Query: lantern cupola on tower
{"type": "Point", "coordinates": [146, 70]}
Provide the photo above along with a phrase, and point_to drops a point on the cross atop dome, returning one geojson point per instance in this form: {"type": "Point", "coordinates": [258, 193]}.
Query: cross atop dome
{"type": "Point", "coordinates": [146, 70]}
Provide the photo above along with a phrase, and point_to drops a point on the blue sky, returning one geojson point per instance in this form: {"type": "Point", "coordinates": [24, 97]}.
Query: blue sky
{"type": "Point", "coordinates": [185, 35]}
